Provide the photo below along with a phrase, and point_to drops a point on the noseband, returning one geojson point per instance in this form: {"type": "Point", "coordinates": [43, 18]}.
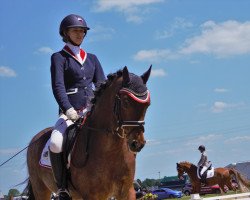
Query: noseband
{"type": "Point", "coordinates": [121, 123]}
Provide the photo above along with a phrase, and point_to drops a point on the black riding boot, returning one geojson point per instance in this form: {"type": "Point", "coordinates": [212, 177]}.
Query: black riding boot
{"type": "Point", "coordinates": [59, 172]}
{"type": "Point", "coordinates": [203, 178]}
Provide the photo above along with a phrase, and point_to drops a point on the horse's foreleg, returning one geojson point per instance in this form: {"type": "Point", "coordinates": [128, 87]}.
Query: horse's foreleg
{"type": "Point", "coordinates": [230, 186]}
{"type": "Point", "coordinates": [222, 188]}
{"type": "Point", "coordinates": [131, 194]}
{"type": "Point", "coordinates": [196, 189]}
{"type": "Point", "coordinates": [126, 194]}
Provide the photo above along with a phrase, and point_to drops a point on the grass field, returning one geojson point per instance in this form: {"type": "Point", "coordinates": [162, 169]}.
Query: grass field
{"type": "Point", "coordinates": [207, 195]}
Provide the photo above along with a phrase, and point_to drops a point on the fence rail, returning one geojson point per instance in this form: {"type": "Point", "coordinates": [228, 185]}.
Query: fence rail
{"type": "Point", "coordinates": [241, 196]}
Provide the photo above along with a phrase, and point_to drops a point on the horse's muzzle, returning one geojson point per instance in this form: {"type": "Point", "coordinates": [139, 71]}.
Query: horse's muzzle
{"type": "Point", "coordinates": [136, 146]}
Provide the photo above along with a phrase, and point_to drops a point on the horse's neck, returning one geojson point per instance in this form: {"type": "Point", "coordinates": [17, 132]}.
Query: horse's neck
{"type": "Point", "coordinates": [190, 170]}
{"type": "Point", "coordinates": [102, 123]}
{"type": "Point", "coordinates": [102, 115]}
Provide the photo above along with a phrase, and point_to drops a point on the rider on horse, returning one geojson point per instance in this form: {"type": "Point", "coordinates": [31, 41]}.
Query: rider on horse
{"type": "Point", "coordinates": [203, 163]}
{"type": "Point", "coordinates": [73, 73]}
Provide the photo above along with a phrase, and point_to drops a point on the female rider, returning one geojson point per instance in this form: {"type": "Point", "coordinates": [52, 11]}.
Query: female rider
{"type": "Point", "coordinates": [73, 73]}
{"type": "Point", "coordinates": [203, 163]}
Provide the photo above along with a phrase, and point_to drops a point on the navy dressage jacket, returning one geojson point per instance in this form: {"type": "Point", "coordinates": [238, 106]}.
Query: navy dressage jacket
{"type": "Point", "coordinates": [72, 81]}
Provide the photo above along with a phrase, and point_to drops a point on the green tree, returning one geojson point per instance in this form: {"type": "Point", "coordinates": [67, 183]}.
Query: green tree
{"type": "Point", "coordinates": [13, 193]}
{"type": "Point", "coordinates": [150, 182]}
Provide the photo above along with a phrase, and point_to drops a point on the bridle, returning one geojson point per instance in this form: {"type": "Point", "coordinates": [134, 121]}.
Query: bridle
{"type": "Point", "coordinates": [121, 123]}
{"type": "Point", "coordinates": [180, 171]}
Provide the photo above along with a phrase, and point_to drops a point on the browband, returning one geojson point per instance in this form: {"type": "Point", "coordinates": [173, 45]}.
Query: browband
{"type": "Point", "coordinates": [141, 98]}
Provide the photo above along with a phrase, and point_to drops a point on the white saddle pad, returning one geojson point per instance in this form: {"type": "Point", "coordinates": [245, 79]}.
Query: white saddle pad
{"type": "Point", "coordinates": [45, 159]}
{"type": "Point", "coordinates": [210, 173]}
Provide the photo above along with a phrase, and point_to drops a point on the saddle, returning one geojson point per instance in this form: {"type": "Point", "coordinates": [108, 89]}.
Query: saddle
{"type": "Point", "coordinates": [68, 145]}
{"type": "Point", "coordinates": [207, 174]}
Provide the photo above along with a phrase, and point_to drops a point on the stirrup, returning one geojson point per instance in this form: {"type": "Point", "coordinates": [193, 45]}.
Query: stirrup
{"type": "Point", "coordinates": [63, 194]}
{"type": "Point", "coordinates": [203, 183]}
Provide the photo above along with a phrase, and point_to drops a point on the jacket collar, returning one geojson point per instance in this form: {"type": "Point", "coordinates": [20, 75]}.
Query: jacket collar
{"type": "Point", "coordinates": [73, 50]}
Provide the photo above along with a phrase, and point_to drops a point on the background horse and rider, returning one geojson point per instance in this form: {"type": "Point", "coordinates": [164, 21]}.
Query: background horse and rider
{"type": "Point", "coordinates": [103, 158]}
{"type": "Point", "coordinates": [222, 177]}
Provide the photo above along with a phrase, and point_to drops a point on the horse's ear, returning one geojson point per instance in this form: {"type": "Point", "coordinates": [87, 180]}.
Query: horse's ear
{"type": "Point", "coordinates": [178, 165]}
{"type": "Point", "coordinates": [125, 75]}
{"type": "Point", "coordinates": [146, 75]}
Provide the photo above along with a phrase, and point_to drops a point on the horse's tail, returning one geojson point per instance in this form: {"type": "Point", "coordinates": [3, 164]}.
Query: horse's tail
{"type": "Point", "coordinates": [243, 183]}
{"type": "Point", "coordinates": [28, 191]}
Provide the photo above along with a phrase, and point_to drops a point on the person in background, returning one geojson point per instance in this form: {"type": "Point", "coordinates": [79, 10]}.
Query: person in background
{"type": "Point", "coordinates": [203, 163]}
{"type": "Point", "coordinates": [74, 72]}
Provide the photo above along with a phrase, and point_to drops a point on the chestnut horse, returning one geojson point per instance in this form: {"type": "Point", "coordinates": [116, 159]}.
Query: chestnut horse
{"type": "Point", "coordinates": [222, 177]}
{"type": "Point", "coordinates": [115, 131]}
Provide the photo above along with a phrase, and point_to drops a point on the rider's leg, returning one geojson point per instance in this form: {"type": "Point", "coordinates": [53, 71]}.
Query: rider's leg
{"type": "Point", "coordinates": [56, 156]}
{"type": "Point", "coordinates": [203, 174]}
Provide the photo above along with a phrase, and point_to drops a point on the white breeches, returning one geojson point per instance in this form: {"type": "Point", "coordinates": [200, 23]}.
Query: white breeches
{"type": "Point", "coordinates": [203, 170]}
{"type": "Point", "coordinates": [56, 139]}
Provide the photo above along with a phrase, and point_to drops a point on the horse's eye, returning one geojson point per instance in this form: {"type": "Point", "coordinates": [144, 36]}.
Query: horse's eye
{"type": "Point", "coordinates": [125, 102]}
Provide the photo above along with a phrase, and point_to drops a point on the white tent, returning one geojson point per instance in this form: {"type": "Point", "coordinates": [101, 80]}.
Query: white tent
{"type": "Point", "coordinates": [1, 195]}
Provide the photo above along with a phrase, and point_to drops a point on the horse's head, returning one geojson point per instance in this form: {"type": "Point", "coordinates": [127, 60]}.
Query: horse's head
{"type": "Point", "coordinates": [185, 167]}
{"type": "Point", "coordinates": [131, 104]}
{"type": "Point", "coordinates": [180, 170]}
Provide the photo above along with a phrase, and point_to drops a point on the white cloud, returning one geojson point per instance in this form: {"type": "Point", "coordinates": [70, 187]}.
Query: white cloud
{"type": "Point", "coordinates": [45, 50]}
{"type": "Point", "coordinates": [162, 153]}
{"type": "Point", "coordinates": [179, 24]}
{"type": "Point", "coordinates": [130, 8]}
{"type": "Point", "coordinates": [221, 39]}
{"type": "Point", "coordinates": [153, 142]}
{"type": "Point", "coordinates": [104, 5]}
{"type": "Point", "coordinates": [100, 33]}
{"type": "Point", "coordinates": [158, 73]}
{"type": "Point", "coordinates": [220, 106]}
{"type": "Point", "coordinates": [238, 139]}
{"type": "Point", "coordinates": [7, 72]}
{"type": "Point", "coordinates": [102, 29]}
{"type": "Point", "coordinates": [220, 90]}
{"type": "Point", "coordinates": [155, 55]}
{"type": "Point", "coordinates": [204, 139]}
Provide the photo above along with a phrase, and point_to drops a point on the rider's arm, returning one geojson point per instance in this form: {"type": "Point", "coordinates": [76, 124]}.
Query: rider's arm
{"type": "Point", "coordinates": [99, 74]}
{"type": "Point", "coordinates": [57, 80]}
{"type": "Point", "coordinates": [202, 160]}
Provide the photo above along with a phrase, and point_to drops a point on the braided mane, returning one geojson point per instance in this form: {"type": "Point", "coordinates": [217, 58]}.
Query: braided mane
{"type": "Point", "coordinates": [186, 163]}
{"type": "Point", "coordinates": [101, 88]}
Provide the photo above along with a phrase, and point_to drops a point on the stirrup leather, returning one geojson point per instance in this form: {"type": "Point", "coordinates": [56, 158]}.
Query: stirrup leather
{"type": "Point", "coordinates": [63, 194]}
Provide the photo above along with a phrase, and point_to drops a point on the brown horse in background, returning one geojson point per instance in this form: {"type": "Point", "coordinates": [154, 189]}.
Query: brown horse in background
{"type": "Point", "coordinates": [115, 133]}
{"type": "Point", "coordinates": [222, 177]}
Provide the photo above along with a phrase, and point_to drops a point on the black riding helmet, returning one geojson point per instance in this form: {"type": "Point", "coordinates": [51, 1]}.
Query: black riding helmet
{"type": "Point", "coordinates": [202, 148]}
{"type": "Point", "coordinates": [71, 21]}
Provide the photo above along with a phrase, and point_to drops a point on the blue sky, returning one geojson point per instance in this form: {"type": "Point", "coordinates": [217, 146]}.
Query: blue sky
{"type": "Point", "coordinates": [199, 84]}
